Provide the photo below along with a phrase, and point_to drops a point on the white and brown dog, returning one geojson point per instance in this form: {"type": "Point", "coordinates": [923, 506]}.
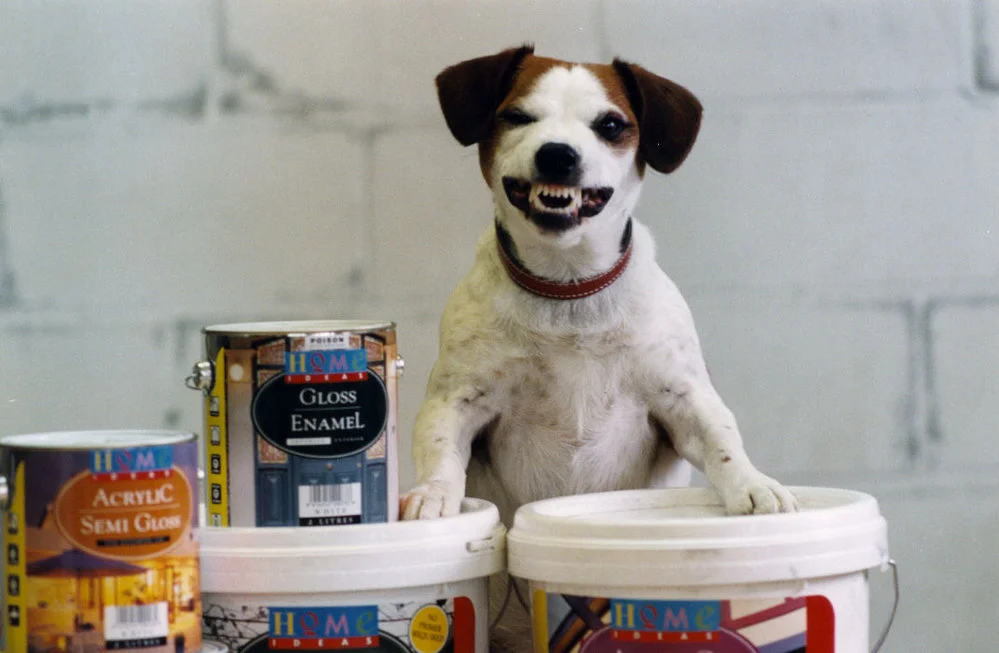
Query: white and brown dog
{"type": "Point", "coordinates": [568, 360]}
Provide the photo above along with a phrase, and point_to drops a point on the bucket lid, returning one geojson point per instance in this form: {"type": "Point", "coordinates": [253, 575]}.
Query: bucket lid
{"type": "Point", "coordinates": [353, 558]}
{"type": "Point", "coordinates": [84, 440]}
{"type": "Point", "coordinates": [298, 326]}
{"type": "Point", "coordinates": [682, 537]}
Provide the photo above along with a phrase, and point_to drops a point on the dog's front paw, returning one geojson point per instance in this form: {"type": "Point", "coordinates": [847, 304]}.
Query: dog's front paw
{"type": "Point", "coordinates": [430, 501]}
{"type": "Point", "coordinates": [757, 494]}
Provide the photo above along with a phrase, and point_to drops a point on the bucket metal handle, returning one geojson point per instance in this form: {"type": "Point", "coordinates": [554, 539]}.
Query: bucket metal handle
{"type": "Point", "coordinates": [202, 377]}
{"type": "Point", "coordinates": [4, 493]}
{"type": "Point", "coordinates": [894, 608]}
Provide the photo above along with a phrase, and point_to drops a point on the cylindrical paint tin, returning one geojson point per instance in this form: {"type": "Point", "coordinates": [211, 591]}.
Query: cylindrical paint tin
{"type": "Point", "coordinates": [404, 587]}
{"type": "Point", "coordinates": [300, 423]}
{"type": "Point", "coordinates": [667, 570]}
{"type": "Point", "coordinates": [99, 536]}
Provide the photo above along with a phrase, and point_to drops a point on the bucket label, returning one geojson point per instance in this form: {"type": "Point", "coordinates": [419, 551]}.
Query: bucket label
{"type": "Point", "coordinates": [131, 504]}
{"type": "Point", "coordinates": [311, 420]}
{"type": "Point", "coordinates": [101, 550]}
{"type": "Point", "coordinates": [579, 624]}
{"type": "Point", "coordinates": [444, 626]}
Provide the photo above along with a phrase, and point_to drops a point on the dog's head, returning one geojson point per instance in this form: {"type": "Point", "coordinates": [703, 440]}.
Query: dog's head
{"type": "Point", "coordinates": [560, 143]}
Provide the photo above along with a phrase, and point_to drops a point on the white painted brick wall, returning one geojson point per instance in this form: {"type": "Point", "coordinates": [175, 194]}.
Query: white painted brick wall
{"type": "Point", "coordinates": [769, 49]}
{"type": "Point", "coordinates": [165, 165]}
{"type": "Point", "coordinates": [812, 386]}
{"type": "Point", "coordinates": [65, 52]}
{"type": "Point", "coordinates": [430, 208]}
{"type": "Point", "coordinates": [183, 218]}
{"type": "Point", "coordinates": [886, 185]}
{"type": "Point", "coordinates": [987, 50]}
{"type": "Point", "coordinates": [66, 374]}
{"type": "Point", "coordinates": [315, 48]}
{"type": "Point", "coordinates": [418, 39]}
{"type": "Point", "coordinates": [965, 360]}
{"type": "Point", "coordinates": [948, 577]}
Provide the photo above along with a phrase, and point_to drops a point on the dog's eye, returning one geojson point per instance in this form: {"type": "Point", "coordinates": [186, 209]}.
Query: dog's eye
{"type": "Point", "coordinates": [610, 126]}
{"type": "Point", "coordinates": [516, 117]}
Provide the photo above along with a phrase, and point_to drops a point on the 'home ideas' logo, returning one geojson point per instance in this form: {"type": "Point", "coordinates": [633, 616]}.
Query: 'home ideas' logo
{"type": "Point", "coordinates": [315, 629]}
{"type": "Point", "coordinates": [150, 462]}
{"type": "Point", "coordinates": [325, 366]}
{"type": "Point", "coordinates": [665, 621]}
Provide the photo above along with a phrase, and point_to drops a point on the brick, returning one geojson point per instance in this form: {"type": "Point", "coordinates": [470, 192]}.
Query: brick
{"type": "Point", "coordinates": [988, 44]}
{"type": "Point", "coordinates": [965, 357]}
{"type": "Point", "coordinates": [382, 55]}
{"type": "Point", "coordinates": [321, 49]}
{"type": "Point", "coordinates": [941, 541]}
{"type": "Point", "coordinates": [65, 52]}
{"type": "Point", "coordinates": [408, 59]}
{"type": "Point", "coordinates": [431, 206]}
{"type": "Point", "coordinates": [181, 219]}
{"type": "Point", "coordinates": [834, 195]}
{"type": "Point", "coordinates": [814, 388]}
{"type": "Point", "coordinates": [779, 49]}
{"type": "Point", "coordinates": [65, 373]}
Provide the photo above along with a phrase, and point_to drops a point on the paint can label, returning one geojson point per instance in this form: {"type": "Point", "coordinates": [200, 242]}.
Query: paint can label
{"type": "Point", "coordinates": [578, 624]}
{"type": "Point", "coordinates": [442, 626]}
{"type": "Point", "coordinates": [302, 430]}
{"type": "Point", "coordinates": [101, 553]}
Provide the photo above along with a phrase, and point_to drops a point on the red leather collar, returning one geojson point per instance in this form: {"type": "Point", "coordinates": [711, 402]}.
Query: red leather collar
{"type": "Point", "coordinates": [557, 289]}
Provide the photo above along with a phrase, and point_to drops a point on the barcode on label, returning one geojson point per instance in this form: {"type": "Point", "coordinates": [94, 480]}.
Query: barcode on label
{"type": "Point", "coordinates": [136, 623]}
{"type": "Point", "coordinates": [136, 614]}
{"type": "Point", "coordinates": [327, 341]}
{"type": "Point", "coordinates": [338, 500]}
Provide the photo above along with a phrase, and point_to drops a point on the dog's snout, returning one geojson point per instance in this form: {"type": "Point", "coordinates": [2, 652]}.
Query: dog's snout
{"type": "Point", "coordinates": [557, 162]}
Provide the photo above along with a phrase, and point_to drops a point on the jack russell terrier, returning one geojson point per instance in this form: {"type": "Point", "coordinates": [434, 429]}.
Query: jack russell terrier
{"type": "Point", "coordinates": [568, 360]}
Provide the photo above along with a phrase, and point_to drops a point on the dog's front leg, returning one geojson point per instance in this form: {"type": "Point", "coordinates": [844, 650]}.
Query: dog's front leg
{"type": "Point", "coordinates": [703, 430]}
{"type": "Point", "coordinates": [450, 418]}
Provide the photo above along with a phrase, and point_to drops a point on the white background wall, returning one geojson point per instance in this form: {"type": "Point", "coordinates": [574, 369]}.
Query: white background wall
{"type": "Point", "coordinates": [170, 164]}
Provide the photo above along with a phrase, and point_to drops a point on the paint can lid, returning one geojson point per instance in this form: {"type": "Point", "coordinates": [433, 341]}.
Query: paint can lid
{"type": "Point", "coordinates": [295, 327]}
{"type": "Point", "coordinates": [354, 558]}
{"type": "Point", "coordinates": [83, 440]}
{"type": "Point", "coordinates": [682, 537]}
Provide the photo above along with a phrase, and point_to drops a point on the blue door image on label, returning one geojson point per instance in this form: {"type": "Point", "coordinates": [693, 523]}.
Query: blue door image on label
{"type": "Point", "coordinates": [311, 492]}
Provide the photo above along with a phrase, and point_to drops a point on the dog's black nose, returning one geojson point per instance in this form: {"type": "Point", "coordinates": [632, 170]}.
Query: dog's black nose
{"type": "Point", "coordinates": [557, 163]}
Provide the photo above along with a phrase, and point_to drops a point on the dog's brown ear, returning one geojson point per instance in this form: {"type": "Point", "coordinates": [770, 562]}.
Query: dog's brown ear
{"type": "Point", "coordinates": [669, 116]}
{"type": "Point", "coordinates": [470, 92]}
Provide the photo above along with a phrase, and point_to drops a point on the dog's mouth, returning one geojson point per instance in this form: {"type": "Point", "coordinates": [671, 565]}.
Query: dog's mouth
{"type": "Point", "coordinates": [554, 207]}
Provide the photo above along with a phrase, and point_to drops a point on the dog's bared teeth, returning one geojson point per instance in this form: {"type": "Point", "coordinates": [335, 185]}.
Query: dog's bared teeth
{"type": "Point", "coordinates": [552, 197]}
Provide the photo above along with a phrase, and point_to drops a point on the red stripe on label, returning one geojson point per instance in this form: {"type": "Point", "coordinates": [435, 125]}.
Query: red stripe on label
{"type": "Point", "coordinates": [326, 644]}
{"type": "Point", "coordinates": [325, 378]}
{"type": "Point", "coordinates": [821, 633]}
{"type": "Point", "coordinates": [464, 625]}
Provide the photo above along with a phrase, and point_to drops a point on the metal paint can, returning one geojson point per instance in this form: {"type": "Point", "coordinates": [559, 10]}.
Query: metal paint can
{"type": "Point", "coordinates": [300, 423]}
{"type": "Point", "coordinates": [99, 540]}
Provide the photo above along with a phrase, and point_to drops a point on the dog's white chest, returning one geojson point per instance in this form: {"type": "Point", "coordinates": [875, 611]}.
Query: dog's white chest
{"type": "Point", "coordinates": [574, 423]}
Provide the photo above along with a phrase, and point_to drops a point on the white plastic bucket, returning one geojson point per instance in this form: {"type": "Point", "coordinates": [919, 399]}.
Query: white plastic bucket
{"type": "Point", "coordinates": [414, 586]}
{"type": "Point", "coordinates": [619, 571]}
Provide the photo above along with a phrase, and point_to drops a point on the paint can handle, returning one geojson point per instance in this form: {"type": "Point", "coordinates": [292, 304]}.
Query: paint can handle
{"type": "Point", "coordinates": [202, 377]}
{"type": "Point", "coordinates": [894, 607]}
{"type": "Point", "coordinates": [4, 493]}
